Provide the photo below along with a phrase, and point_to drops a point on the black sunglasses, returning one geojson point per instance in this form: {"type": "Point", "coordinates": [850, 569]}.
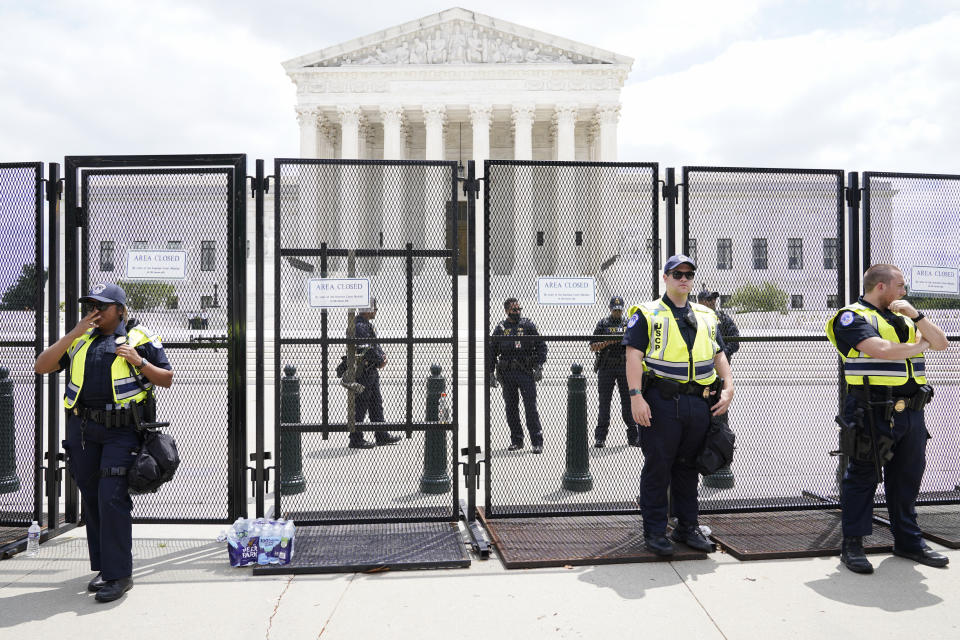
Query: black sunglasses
{"type": "Point", "coordinates": [99, 306]}
{"type": "Point", "coordinates": [680, 275]}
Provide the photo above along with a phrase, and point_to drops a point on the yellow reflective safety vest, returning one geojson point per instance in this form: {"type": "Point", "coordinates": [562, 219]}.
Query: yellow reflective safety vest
{"type": "Point", "coordinates": [857, 366]}
{"type": "Point", "coordinates": [667, 355]}
{"type": "Point", "coordinates": [126, 387]}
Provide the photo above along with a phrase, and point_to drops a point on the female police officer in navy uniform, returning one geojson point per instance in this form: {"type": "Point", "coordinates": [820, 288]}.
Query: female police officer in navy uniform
{"type": "Point", "coordinates": [112, 363]}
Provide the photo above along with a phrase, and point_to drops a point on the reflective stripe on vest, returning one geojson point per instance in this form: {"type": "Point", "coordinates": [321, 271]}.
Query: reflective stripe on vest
{"type": "Point", "coordinates": [667, 355]}
{"type": "Point", "coordinates": [125, 387]}
{"type": "Point", "coordinates": [858, 367]}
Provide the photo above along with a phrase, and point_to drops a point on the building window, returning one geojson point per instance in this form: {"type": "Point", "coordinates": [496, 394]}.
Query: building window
{"type": "Point", "coordinates": [139, 245]}
{"type": "Point", "coordinates": [692, 249]}
{"type": "Point", "coordinates": [829, 253]}
{"type": "Point", "coordinates": [175, 245]}
{"type": "Point", "coordinates": [724, 254]}
{"type": "Point", "coordinates": [796, 302]}
{"type": "Point", "coordinates": [208, 255]}
{"type": "Point", "coordinates": [833, 302]}
{"type": "Point", "coordinates": [759, 253]}
{"type": "Point", "coordinates": [795, 253]}
{"type": "Point", "coordinates": [106, 255]}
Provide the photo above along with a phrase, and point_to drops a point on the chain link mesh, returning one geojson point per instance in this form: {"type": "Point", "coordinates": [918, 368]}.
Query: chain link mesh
{"type": "Point", "coordinates": [583, 220]}
{"type": "Point", "coordinates": [177, 210]}
{"type": "Point", "coordinates": [770, 242]}
{"type": "Point", "coordinates": [911, 222]}
{"type": "Point", "coordinates": [379, 208]}
{"type": "Point", "coordinates": [21, 333]}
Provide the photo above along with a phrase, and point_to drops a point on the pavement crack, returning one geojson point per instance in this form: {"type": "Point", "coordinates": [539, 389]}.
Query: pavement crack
{"type": "Point", "coordinates": [276, 607]}
{"type": "Point", "coordinates": [685, 584]}
{"type": "Point", "coordinates": [336, 605]}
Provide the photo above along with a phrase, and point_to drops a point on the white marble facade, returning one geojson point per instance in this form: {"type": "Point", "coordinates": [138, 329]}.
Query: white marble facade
{"type": "Point", "coordinates": [459, 85]}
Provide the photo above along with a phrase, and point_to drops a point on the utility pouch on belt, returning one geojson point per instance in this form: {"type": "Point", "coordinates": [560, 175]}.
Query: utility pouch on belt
{"type": "Point", "coordinates": [855, 442]}
{"type": "Point", "coordinates": [668, 388]}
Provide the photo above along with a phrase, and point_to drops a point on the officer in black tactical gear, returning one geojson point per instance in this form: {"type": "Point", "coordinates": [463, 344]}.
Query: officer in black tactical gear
{"type": "Point", "coordinates": [371, 359]}
{"type": "Point", "coordinates": [610, 364]}
{"type": "Point", "coordinates": [517, 365]}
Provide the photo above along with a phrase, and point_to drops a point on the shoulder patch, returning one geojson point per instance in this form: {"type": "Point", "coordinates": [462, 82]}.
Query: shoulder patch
{"type": "Point", "coordinates": [846, 318]}
{"type": "Point", "coordinates": [633, 320]}
{"type": "Point", "coordinates": [155, 341]}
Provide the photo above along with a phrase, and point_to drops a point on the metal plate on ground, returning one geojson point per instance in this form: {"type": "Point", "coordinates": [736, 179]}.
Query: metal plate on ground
{"type": "Point", "coordinates": [11, 537]}
{"type": "Point", "coordinates": [940, 524]}
{"type": "Point", "coordinates": [347, 548]}
{"type": "Point", "coordinates": [787, 534]}
{"type": "Point", "coordinates": [527, 543]}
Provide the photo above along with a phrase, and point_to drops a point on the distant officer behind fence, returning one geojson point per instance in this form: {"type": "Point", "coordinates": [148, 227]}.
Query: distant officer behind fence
{"type": "Point", "coordinates": [881, 340]}
{"type": "Point", "coordinates": [370, 359]}
{"type": "Point", "coordinates": [111, 363]}
{"type": "Point", "coordinates": [517, 365]}
{"type": "Point", "coordinates": [727, 327]}
{"type": "Point", "coordinates": [674, 343]}
{"type": "Point", "coordinates": [611, 368]}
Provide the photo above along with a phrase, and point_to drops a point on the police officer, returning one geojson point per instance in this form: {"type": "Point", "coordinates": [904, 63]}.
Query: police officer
{"type": "Point", "coordinates": [881, 340]}
{"type": "Point", "coordinates": [674, 343]}
{"type": "Point", "coordinates": [611, 368]}
{"type": "Point", "coordinates": [518, 365]}
{"type": "Point", "coordinates": [112, 363]}
{"type": "Point", "coordinates": [371, 359]}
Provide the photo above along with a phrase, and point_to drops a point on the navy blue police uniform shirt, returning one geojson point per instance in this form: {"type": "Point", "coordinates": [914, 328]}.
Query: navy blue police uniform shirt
{"type": "Point", "coordinates": [637, 334]}
{"type": "Point", "coordinates": [850, 329]}
{"type": "Point", "coordinates": [97, 388]}
{"type": "Point", "coordinates": [374, 354]}
{"type": "Point", "coordinates": [535, 351]}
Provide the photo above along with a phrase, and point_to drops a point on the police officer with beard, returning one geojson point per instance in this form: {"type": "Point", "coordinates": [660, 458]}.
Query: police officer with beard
{"type": "Point", "coordinates": [611, 368]}
{"type": "Point", "coordinates": [518, 365]}
{"type": "Point", "coordinates": [370, 401]}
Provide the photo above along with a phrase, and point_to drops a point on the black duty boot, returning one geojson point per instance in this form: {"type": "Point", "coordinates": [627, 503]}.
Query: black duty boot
{"type": "Point", "coordinates": [599, 444]}
{"type": "Point", "coordinates": [515, 446]}
{"type": "Point", "coordinates": [659, 545]}
{"type": "Point", "coordinates": [114, 589]}
{"type": "Point", "coordinates": [386, 438]}
{"type": "Point", "coordinates": [853, 557]}
{"type": "Point", "coordinates": [361, 444]}
{"type": "Point", "coordinates": [97, 583]}
{"type": "Point", "coordinates": [925, 555]}
{"type": "Point", "coordinates": [693, 538]}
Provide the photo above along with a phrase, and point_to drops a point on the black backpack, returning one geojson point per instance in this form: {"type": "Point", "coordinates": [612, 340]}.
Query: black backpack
{"type": "Point", "coordinates": [156, 461]}
{"type": "Point", "coordinates": [718, 447]}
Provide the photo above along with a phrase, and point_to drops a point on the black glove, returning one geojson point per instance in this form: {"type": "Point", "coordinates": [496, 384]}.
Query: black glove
{"type": "Point", "coordinates": [538, 373]}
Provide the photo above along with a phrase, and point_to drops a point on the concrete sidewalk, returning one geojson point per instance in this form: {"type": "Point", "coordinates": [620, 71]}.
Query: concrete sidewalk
{"type": "Point", "coordinates": [185, 588]}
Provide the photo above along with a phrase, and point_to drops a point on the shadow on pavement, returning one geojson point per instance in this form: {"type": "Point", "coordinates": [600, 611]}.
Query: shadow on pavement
{"type": "Point", "coordinates": [632, 581]}
{"type": "Point", "coordinates": [895, 585]}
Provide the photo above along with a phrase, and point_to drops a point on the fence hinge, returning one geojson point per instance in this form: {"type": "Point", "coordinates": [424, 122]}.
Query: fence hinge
{"type": "Point", "coordinates": [671, 191]}
{"type": "Point", "coordinates": [853, 196]}
{"type": "Point", "coordinates": [259, 185]}
{"type": "Point", "coordinates": [471, 186]}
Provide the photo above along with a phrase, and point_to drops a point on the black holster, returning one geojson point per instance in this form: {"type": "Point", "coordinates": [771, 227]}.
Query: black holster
{"type": "Point", "coordinates": [856, 442]}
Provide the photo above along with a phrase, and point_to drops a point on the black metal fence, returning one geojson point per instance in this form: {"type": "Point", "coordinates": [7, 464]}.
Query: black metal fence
{"type": "Point", "coordinates": [22, 280]}
{"type": "Point", "coordinates": [192, 211]}
{"type": "Point", "coordinates": [390, 225]}
{"type": "Point", "coordinates": [911, 220]}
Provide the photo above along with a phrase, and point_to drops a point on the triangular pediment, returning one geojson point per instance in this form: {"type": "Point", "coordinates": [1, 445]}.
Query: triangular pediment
{"type": "Point", "coordinates": [456, 36]}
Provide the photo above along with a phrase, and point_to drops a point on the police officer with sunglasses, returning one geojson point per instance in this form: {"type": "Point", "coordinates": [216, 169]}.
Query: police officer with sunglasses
{"type": "Point", "coordinates": [675, 365]}
{"type": "Point", "coordinates": [112, 362]}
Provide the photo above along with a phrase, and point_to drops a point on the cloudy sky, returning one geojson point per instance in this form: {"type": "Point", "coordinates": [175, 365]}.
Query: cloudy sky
{"type": "Point", "coordinates": [853, 85]}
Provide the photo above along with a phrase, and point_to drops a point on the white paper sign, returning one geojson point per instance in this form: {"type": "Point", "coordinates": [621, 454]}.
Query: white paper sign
{"type": "Point", "coordinates": [339, 293]}
{"type": "Point", "coordinates": [570, 291]}
{"type": "Point", "coordinates": [942, 280]}
{"type": "Point", "coordinates": [156, 265]}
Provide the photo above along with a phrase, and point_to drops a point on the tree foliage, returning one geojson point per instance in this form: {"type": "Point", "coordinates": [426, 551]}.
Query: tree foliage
{"type": "Point", "coordinates": [753, 297]}
{"type": "Point", "coordinates": [146, 294]}
{"type": "Point", "coordinates": [21, 295]}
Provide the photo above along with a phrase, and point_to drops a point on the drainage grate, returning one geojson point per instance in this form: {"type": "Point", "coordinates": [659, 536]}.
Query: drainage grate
{"type": "Point", "coordinates": [940, 524]}
{"type": "Point", "coordinates": [787, 534]}
{"type": "Point", "coordinates": [347, 548]}
{"type": "Point", "coordinates": [526, 543]}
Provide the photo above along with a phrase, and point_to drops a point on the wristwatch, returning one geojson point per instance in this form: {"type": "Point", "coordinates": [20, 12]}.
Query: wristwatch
{"type": "Point", "coordinates": [143, 363]}
{"type": "Point", "coordinates": [919, 317]}
{"type": "Point", "coordinates": [635, 392]}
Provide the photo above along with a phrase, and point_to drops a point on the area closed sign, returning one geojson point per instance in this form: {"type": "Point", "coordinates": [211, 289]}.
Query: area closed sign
{"type": "Point", "coordinates": [156, 265]}
{"type": "Point", "coordinates": [572, 291]}
{"type": "Point", "coordinates": [339, 293]}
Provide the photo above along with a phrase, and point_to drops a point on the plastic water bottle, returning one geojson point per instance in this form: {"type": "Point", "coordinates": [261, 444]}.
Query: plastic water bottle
{"type": "Point", "coordinates": [33, 539]}
{"type": "Point", "coordinates": [444, 408]}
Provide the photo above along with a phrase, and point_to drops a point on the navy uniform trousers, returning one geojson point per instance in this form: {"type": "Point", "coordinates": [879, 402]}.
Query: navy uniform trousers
{"type": "Point", "coordinates": [370, 402]}
{"type": "Point", "coordinates": [516, 383]}
{"type": "Point", "coordinates": [606, 378]}
{"type": "Point", "coordinates": [107, 505]}
{"type": "Point", "coordinates": [901, 479]}
{"type": "Point", "coordinates": [670, 446]}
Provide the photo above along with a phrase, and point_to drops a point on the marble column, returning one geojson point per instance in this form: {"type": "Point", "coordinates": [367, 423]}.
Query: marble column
{"type": "Point", "coordinates": [393, 223]}
{"type": "Point", "coordinates": [392, 116]}
{"type": "Point", "coordinates": [524, 247]}
{"type": "Point", "coordinates": [434, 117]}
{"type": "Point", "coordinates": [349, 182]}
{"type": "Point", "coordinates": [436, 193]}
{"type": "Point", "coordinates": [607, 116]}
{"type": "Point", "coordinates": [308, 119]}
{"type": "Point", "coordinates": [567, 256]}
{"type": "Point", "coordinates": [349, 131]}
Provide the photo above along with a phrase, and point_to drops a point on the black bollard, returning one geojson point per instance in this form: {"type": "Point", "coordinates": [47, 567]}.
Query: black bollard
{"type": "Point", "coordinates": [292, 481]}
{"type": "Point", "coordinates": [722, 478]}
{"type": "Point", "coordinates": [435, 479]}
{"type": "Point", "coordinates": [577, 476]}
{"type": "Point", "coordinates": [8, 436]}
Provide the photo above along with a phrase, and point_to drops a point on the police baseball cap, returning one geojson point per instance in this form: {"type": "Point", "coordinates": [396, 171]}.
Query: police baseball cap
{"type": "Point", "coordinates": [675, 261]}
{"type": "Point", "coordinates": [707, 295]}
{"type": "Point", "coordinates": [616, 303]}
{"type": "Point", "coordinates": [105, 293]}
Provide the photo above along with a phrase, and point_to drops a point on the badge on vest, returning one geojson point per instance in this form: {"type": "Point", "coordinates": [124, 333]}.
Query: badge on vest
{"type": "Point", "coordinates": [121, 339]}
{"type": "Point", "coordinates": [846, 318]}
{"type": "Point", "coordinates": [900, 405]}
